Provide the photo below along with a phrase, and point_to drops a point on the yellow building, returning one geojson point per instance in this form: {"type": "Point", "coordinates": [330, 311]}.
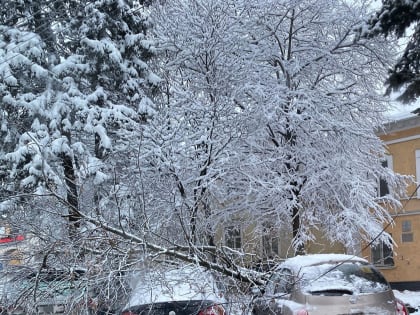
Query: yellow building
{"type": "Point", "coordinates": [11, 243]}
{"type": "Point", "coordinates": [401, 266]}
{"type": "Point", "coordinates": [264, 245]}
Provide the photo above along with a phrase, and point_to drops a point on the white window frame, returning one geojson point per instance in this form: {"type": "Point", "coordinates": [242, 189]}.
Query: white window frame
{"type": "Point", "coordinates": [270, 241]}
{"type": "Point", "coordinates": [407, 235]}
{"type": "Point", "coordinates": [384, 261]}
{"type": "Point", "coordinates": [390, 164]}
{"type": "Point", "coordinates": [233, 238]}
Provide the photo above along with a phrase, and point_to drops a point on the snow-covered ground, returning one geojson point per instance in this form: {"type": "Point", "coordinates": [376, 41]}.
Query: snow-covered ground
{"type": "Point", "coordinates": [410, 298]}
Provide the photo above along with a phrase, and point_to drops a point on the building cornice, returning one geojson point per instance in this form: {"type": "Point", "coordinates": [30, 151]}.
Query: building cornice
{"type": "Point", "coordinates": [400, 125]}
{"type": "Point", "coordinates": [405, 139]}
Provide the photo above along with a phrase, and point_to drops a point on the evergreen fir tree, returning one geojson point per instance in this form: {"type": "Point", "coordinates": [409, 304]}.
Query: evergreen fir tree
{"type": "Point", "coordinates": [73, 87]}
{"type": "Point", "coordinates": [396, 17]}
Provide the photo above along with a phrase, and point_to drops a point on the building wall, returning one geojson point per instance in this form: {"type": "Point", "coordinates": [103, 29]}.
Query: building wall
{"type": "Point", "coordinates": [10, 246]}
{"type": "Point", "coordinates": [251, 243]}
{"type": "Point", "coordinates": [402, 140]}
{"type": "Point", "coordinates": [406, 254]}
{"type": "Point", "coordinates": [323, 246]}
{"type": "Point", "coordinates": [405, 273]}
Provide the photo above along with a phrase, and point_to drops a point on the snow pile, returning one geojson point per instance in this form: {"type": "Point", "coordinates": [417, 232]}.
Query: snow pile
{"type": "Point", "coordinates": [409, 298]}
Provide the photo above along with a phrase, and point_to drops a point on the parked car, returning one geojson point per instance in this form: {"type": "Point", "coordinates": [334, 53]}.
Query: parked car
{"type": "Point", "coordinates": [186, 290]}
{"type": "Point", "coordinates": [50, 291]}
{"type": "Point", "coordinates": [332, 284]}
{"type": "Point", "coordinates": [11, 288]}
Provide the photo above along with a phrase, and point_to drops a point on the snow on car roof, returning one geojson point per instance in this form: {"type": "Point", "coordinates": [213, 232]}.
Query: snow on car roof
{"type": "Point", "coordinates": [298, 262]}
{"type": "Point", "coordinates": [177, 284]}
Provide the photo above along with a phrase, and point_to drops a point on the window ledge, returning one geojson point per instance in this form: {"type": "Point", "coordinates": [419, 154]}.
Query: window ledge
{"type": "Point", "coordinates": [384, 267]}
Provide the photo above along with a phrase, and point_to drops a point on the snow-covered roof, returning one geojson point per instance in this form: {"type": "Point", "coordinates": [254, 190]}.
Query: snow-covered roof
{"type": "Point", "coordinates": [401, 111]}
{"type": "Point", "coordinates": [398, 110]}
{"type": "Point", "coordinates": [180, 284]}
{"type": "Point", "coordinates": [400, 124]}
{"type": "Point", "coordinates": [400, 117]}
{"type": "Point", "coordinates": [298, 262]}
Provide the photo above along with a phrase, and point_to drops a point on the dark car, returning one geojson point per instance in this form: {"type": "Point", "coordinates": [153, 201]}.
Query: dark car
{"type": "Point", "coordinates": [327, 284]}
{"type": "Point", "coordinates": [189, 307]}
{"type": "Point", "coordinates": [187, 290]}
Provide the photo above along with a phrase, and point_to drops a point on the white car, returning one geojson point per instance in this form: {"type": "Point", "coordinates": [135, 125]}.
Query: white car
{"type": "Point", "coordinates": [332, 284]}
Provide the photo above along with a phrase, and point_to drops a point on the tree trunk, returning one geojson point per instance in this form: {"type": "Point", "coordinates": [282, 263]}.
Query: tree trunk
{"type": "Point", "coordinates": [72, 196]}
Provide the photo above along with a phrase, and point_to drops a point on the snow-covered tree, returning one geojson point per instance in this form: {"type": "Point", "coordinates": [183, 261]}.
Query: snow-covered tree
{"type": "Point", "coordinates": [303, 108]}
{"type": "Point", "coordinates": [84, 98]}
{"type": "Point", "coordinates": [317, 92]}
{"type": "Point", "coordinates": [202, 121]}
{"type": "Point", "coordinates": [73, 85]}
{"type": "Point", "coordinates": [267, 113]}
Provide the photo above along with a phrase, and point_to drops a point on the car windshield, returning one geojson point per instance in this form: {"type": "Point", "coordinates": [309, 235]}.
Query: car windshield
{"type": "Point", "coordinates": [342, 278]}
{"type": "Point", "coordinates": [56, 283]}
{"type": "Point", "coordinates": [44, 284]}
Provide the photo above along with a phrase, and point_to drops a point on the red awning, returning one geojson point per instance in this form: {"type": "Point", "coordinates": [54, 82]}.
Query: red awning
{"type": "Point", "coordinates": [10, 239]}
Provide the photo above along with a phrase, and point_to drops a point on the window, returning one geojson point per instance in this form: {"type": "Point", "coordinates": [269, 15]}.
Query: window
{"type": "Point", "coordinates": [270, 245]}
{"type": "Point", "coordinates": [233, 237]}
{"type": "Point", "coordinates": [407, 232]}
{"type": "Point", "coordinates": [270, 241]}
{"type": "Point", "coordinates": [383, 185]}
{"type": "Point", "coordinates": [382, 255]}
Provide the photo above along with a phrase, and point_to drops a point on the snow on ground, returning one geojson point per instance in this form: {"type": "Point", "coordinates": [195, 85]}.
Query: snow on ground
{"type": "Point", "coordinates": [409, 298]}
